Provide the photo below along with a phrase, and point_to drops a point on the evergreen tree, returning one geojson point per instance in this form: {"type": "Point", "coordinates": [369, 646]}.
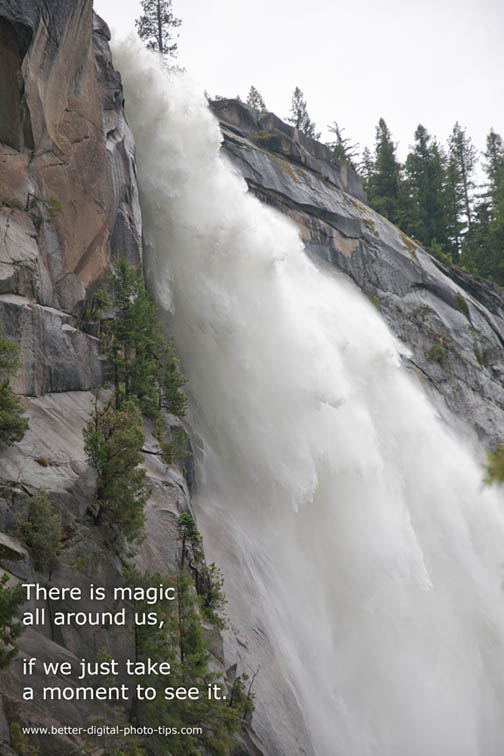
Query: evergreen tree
{"type": "Point", "coordinates": [113, 440]}
{"type": "Point", "coordinates": [13, 425]}
{"type": "Point", "coordinates": [494, 166]}
{"type": "Point", "coordinates": [463, 155]}
{"type": "Point", "coordinates": [255, 100]}
{"type": "Point", "coordinates": [342, 148]}
{"type": "Point", "coordinates": [425, 184]}
{"type": "Point", "coordinates": [366, 168]}
{"type": "Point", "coordinates": [181, 642]}
{"type": "Point", "coordinates": [454, 208]}
{"type": "Point", "coordinates": [11, 600]}
{"type": "Point", "coordinates": [155, 26]}
{"type": "Point", "coordinates": [383, 181]}
{"type": "Point", "coordinates": [188, 535]}
{"type": "Point", "coordinates": [483, 248]}
{"type": "Point", "coordinates": [144, 365]}
{"type": "Point", "coordinates": [299, 115]}
{"type": "Point", "coordinates": [41, 530]}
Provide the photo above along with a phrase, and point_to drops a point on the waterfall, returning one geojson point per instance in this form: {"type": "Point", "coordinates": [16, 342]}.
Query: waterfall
{"type": "Point", "coordinates": [362, 554]}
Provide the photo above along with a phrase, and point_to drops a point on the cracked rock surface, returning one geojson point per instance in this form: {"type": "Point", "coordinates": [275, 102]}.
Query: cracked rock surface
{"type": "Point", "coordinates": [451, 322]}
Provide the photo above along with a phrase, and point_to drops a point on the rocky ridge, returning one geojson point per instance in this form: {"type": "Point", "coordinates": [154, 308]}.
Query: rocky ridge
{"type": "Point", "coordinates": [451, 323]}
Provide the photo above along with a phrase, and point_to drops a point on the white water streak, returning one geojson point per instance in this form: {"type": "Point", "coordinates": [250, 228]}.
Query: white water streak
{"type": "Point", "coordinates": [356, 519]}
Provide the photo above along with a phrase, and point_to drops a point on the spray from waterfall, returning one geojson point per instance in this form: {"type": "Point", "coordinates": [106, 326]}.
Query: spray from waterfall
{"type": "Point", "coordinates": [352, 526]}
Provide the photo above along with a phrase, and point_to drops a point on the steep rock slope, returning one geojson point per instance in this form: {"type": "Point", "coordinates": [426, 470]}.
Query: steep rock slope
{"type": "Point", "coordinates": [68, 210]}
{"type": "Point", "coordinates": [452, 322]}
{"type": "Point", "coordinates": [68, 196]}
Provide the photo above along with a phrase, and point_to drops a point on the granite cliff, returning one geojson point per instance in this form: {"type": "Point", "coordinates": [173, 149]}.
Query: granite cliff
{"type": "Point", "coordinates": [69, 208]}
{"type": "Point", "coordinates": [451, 322]}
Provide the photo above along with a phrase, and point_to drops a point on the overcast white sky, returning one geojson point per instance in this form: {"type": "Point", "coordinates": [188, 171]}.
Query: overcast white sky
{"type": "Point", "coordinates": [408, 61]}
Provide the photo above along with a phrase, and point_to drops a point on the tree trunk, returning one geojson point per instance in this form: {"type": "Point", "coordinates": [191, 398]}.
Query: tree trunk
{"type": "Point", "coordinates": [160, 28]}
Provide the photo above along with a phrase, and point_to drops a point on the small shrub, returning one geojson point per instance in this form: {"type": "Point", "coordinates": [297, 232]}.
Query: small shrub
{"type": "Point", "coordinates": [437, 353]}
{"type": "Point", "coordinates": [19, 741]}
{"type": "Point", "coordinates": [461, 304]}
{"type": "Point", "coordinates": [40, 529]}
{"type": "Point", "coordinates": [374, 300]}
{"type": "Point", "coordinates": [55, 207]}
{"type": "Point", "coordinates": [409, 246]}
{"type": "Point", "coordinates": [481, 357]}
{"type": "Point", "coordinates": [495, 466]}
{"type": "Point", "coordinates": [263, 136]}
{"type": "Point", "coordinates": [81, 563]}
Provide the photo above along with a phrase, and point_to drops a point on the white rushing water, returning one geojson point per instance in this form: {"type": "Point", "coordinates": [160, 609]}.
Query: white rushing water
{"type": "Point", "coordinates": [354, 526]}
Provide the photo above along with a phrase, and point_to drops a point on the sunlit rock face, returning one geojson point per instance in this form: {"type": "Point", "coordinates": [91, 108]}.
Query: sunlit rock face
{"type": "Point", "coordinates": [68, 194]}
{"type": "Point", "coordinates": [452, 322]}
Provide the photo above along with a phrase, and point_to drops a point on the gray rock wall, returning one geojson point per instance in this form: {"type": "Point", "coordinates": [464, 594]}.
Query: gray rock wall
{"type": "Point", "coordinates": [69, 209]}
{"type": "Point", "coordinates": [452, 322]}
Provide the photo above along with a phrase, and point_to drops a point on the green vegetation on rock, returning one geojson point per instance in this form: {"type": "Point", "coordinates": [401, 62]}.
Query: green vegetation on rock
{"type": "Point", "coordinates": [495, 466]}
{"type": "Point", "coordinates": [19, 742]}
{"type": "Point", "coordinates": [182, 643]}
{"type": "Point", "coordinates": [144, 365]}
{"type": "Point", "coordinates": [113, 439]}
{"type": "Point", "coordinates": [11, 600]}
{"type": "Point", "coordinates": [40, 530]}
{"type": "Point", "coordinates": [13, 425]}
{"type": "Point", "coordinates": [437, 353]}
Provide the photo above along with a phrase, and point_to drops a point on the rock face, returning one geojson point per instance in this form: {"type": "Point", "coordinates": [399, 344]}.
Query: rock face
{"type": "Point", "coordinates": [69, 209]}
{"type": "Point", "coordinates": [68, 194]}
{"type": "Point", "coordinates": [452, 322]}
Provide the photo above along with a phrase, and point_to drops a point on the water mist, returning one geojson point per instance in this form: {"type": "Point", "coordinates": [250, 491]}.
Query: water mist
{"type": "Point", "coordinates": [353, 529]}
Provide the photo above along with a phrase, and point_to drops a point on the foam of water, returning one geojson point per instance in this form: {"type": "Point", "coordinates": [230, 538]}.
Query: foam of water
{"type": "Point", "coordinates": [372, 553]}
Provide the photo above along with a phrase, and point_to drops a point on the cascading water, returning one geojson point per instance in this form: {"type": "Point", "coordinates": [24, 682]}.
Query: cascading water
{"type": "Point", "coordinates": [352, 526]}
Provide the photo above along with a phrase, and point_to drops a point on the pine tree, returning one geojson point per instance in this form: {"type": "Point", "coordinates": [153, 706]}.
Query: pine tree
{"type": "Point", "coordinates": [483, 248]}
{"type": "Point", "coordinates": [255, 100]}
{"type": "Point", "coordinates": [456, 227]}
{"type": "Point", "coordinates": [113, 440]}
{"type": "Point", "coordinates": [383, 182]}
{"type": "Point", "coordinates": [342, 147]}
{"type": "Point", "coordinates": [11, 600]}
{"type": "Point", "coordinates": [494, 166]}
{"type": "Point", "coordinates": [425, 182]}
{"type": "Point", "coordinates": [366, 168]}
{"type": "Point", "coordinates": [463, 154]}
{"type": "Point", "coordinates": [180, 641]}
{"type": "Point", "coordinates": [299, 117]}
{"type": "Point", "coordinates": [144, 366]}
{"type": "Point", "coordinates": [155, 26]}
{"type": "Point", "coordinates": [13, 425]}
{"type": "Point", "coordinates": [40, 529]}
{"type": "Point", "coordinates": [188, 535]}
